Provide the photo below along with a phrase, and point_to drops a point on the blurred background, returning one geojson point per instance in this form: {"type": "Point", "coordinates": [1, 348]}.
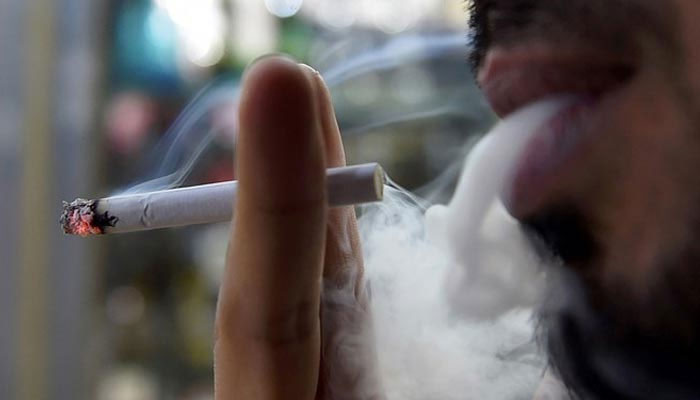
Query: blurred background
{"type": "Point", "coordinates": [88, 90]}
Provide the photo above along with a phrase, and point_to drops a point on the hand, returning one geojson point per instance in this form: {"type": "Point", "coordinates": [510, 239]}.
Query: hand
{"type": "Point", "coordinates": [292, 263]}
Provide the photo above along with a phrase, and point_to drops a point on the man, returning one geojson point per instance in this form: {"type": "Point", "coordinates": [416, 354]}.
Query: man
{"type": "Point", "coordinates": [614, 195]}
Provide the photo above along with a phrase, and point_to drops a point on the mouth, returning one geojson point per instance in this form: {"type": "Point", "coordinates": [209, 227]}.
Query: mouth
{"type": "Point", "coordinates": [512, 78]}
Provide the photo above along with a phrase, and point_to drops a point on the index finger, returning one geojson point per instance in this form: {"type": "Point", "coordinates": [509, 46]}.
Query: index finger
{"type": "Point", "coordinates": [268, 333]}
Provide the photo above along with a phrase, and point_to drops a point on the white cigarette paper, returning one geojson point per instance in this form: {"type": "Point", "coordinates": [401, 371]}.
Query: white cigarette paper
{"type": "Point", "coordinates": [210, 203]}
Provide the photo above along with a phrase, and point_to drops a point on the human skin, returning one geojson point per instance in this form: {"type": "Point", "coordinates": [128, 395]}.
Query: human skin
{"type": "Point", "coordinates": [629, 205]}
{"type": "Point", "coordinates": [623, 214]}
{"type": "Point", "coordinates": [286, 245]}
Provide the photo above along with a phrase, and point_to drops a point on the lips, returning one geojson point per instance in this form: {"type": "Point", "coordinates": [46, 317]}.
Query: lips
{"type": "Point", "coordinates": [514, 78]}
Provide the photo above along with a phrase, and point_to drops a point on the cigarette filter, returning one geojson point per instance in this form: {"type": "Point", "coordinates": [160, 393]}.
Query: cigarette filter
{"type": "Point", "coordinates": [201, 204]}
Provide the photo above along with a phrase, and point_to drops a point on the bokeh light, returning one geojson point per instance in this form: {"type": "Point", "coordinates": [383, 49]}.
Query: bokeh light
{"type": "Point", "coordinates": [200, 26]}
{"type": "Point", "coordinates": [283, 8]}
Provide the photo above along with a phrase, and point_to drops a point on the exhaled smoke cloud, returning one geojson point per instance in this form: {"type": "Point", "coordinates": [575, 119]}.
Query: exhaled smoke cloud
{"type": "Point", "coordinates": [423, 350]}
{"type": "Point", "coordinates": [452, 303]}
{"type": "Point", "coordinates": [496, 267]}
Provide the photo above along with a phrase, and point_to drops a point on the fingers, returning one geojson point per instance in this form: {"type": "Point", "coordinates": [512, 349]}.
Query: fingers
{"type": "Point", "coordinates": [343, 262]}
{"type": "Point", "coordinates": [333, 143]}
{"type": "Point", "coordinates": [348, 359]}
{"type": "Point", "coordinates": [268, 333]}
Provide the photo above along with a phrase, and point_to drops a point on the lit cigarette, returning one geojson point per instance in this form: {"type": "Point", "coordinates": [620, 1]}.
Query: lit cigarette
{"type": "Point", "coordinates": [201, 204]}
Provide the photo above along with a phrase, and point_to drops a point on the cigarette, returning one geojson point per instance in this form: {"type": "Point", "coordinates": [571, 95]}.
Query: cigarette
{"type": "Point", "coordinates": [202, 204]}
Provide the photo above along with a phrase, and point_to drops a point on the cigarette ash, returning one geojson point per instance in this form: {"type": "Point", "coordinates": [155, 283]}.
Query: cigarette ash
{"type": "Point", "coordinates": [80, 217]}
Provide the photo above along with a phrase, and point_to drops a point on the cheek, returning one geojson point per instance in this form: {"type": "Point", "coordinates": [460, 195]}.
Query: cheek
{"type": "Point", "coordinates": [637, 142]}
{"type": "Point", "coordinates": [688, 17]}
{"type": "Point", "coordinates": [638, 186]}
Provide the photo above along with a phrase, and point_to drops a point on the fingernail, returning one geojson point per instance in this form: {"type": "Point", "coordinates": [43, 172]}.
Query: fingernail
{"type": "Point", "coordinates": [313, 76]}
{"type": "Point", "coordinates": [309, 68]}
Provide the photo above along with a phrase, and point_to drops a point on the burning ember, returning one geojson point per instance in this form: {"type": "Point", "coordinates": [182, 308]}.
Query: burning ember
{"type": "Point", "coordinates": [80, 218]}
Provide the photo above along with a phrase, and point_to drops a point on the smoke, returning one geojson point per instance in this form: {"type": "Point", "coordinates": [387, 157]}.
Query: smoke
{"type": "Point", "coordinates": [497, 268]}
{"type": "Point", "coordinates": [399, 52]}
{"type": "Point", "coordinates": [424, 351]}
{"type": "Point", "coordinates": [452, 290]}
{"type": "Point", "coordinates": [453, 96]}
{"type": "Point", "coordinates": [189, 137]}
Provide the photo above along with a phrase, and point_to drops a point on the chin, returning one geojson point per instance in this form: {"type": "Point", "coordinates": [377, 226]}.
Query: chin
{"type": "Point", "coordinates": [613, 344]}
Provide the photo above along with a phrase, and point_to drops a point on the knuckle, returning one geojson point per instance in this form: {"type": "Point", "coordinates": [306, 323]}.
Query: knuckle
{"type": "Point", "coordinates": [272, 329]}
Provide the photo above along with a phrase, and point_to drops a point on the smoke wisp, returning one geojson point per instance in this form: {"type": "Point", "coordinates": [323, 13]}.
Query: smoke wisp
{"type": "Point", "coordinates": [191, 135]}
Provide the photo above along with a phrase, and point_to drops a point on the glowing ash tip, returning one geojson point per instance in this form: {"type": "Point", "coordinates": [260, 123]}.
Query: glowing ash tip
{"type": "Point", "coordinates": [80, 217]}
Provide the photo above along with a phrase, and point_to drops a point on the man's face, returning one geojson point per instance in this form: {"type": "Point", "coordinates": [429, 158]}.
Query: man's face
{"type": "Point", "coordinates": [614, 187]}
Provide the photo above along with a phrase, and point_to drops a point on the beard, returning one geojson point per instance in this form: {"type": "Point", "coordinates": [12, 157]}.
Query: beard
{"type": "Point", "coordinates": [611, 341]}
